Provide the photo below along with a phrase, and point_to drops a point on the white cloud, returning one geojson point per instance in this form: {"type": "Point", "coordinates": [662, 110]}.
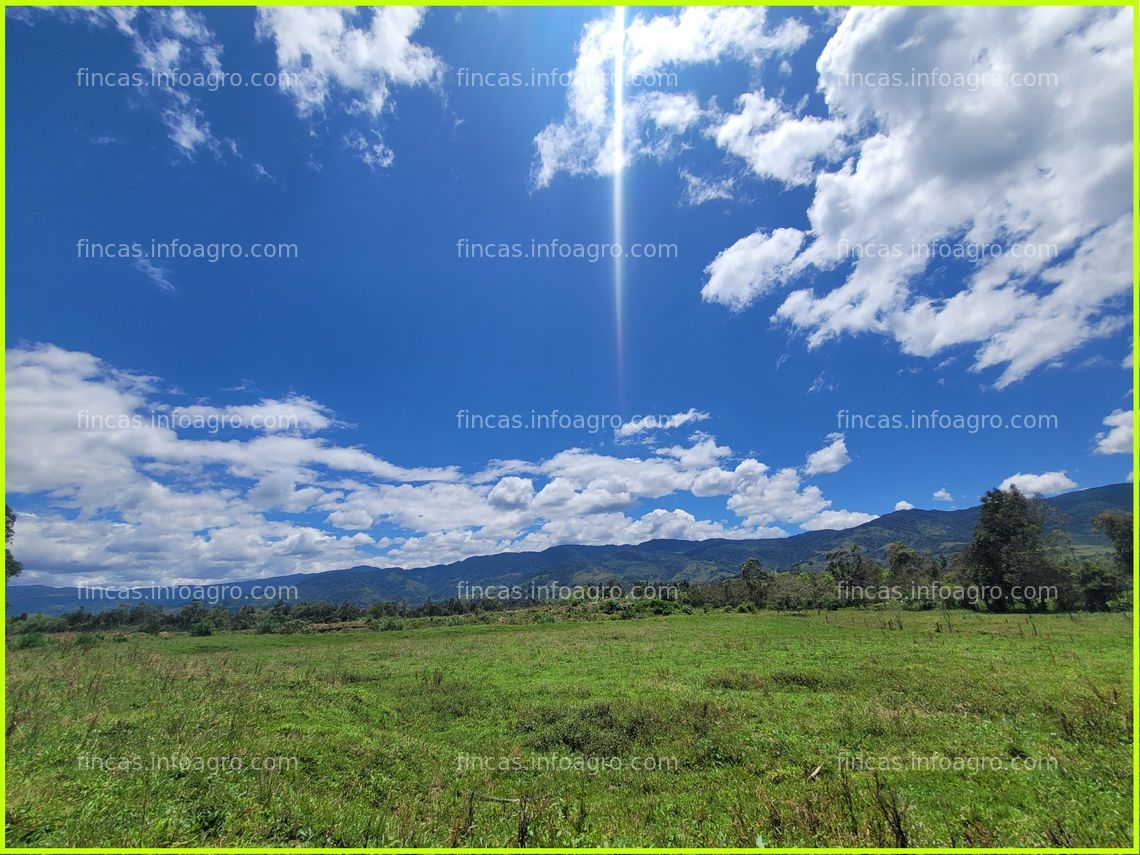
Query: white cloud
{"type": "Point", "coordinates": [512, 493]}
{"type": "Point", "coordinates": [375, 152]}
{"type": "Point", "coordinates": [942, 495]}
{"type": "Point", "coordinates": [360, 55]}
{"type": "Point", "coordinates": [672, 112]}
{"type": "Point", "coordinates": [160, 276]}
{"type": "Point", "coordinates": [294, 414]}
{"type": "Point", "coordinates": [823, 382]}
{"type": "Point", "coordinates": [656, 122]}
{"type": "Point", "coordinates": [642, 424]}
{"type": "Point", "coordinates": [146, 496]}
{"type": "Point", "coordinates": [114, 478]}
{"type": "Point", "coordinates": [702, 454]}
{"type": "Point", "coordinates": [775, 143]}
{"type": "Point", "coordinates": [903, 505]}
{"type": "Point", "coordinates": [189, 129]}
{"type": "Point", "coordinates": [165, 41]}
{"type": "Point", "coordinates": [1041, 171]}
{"type": "Point", "coordinates": [1045, 484]}
{"type": "Point", "coordinates": [763, 499]}
{"type": "Point", "coordinates": [830, 458]}
{"type": "Point", "coordinates": [1118, 440]}
{"type": "Point", "coordinates": [702, 34]}
{"type": "Point", "coordinates": [351, 519]}
{"type": "Point", "coordinates": [700, 190]}
{"type": "Point", "coordinates": [837, 520]}
{"type": "Point", "coordinates": [751, 267]}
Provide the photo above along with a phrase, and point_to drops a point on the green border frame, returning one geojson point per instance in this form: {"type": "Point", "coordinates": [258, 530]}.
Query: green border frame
{"type": "Point", "coordinates": [1135, 848]}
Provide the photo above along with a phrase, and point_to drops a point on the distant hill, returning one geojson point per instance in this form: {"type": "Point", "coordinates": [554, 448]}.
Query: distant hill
{"type": "Point", "coordinates": [939, 532]}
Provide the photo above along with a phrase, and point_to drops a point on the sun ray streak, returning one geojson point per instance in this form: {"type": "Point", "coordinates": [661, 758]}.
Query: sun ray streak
{"type": "Point", "coordinates": [618, 164]}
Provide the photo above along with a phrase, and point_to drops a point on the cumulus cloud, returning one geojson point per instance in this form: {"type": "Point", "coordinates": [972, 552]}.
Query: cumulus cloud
{"type": "Point", "coordinates": [903, 505]}
{"type": "Point", "coordinates": [512, 493]}
{"type": "Point", "coordinates": [751, 267]}
{"type": "Point", "coordinates": [837, 520]}
{"type": "Point", "coordinates": [1045, 484]}
{"type": "Point", "coordinates": [701, 34]}
{"type": "Point", "coordinates": [1118, 439]}
{"type": "Point", "coordinates": [942, 495]}
{"type": "Point", "coordinates": [114, 477]}
{"type": "Point", "coordinates": [656, 122]}
{"type": "Point", "coordinates": [293, 414]}
{"type": "Point", "coordinates": [830, 458]}
{"type": "Point", "coordinates": [353, 58]}
{"type": "Point", "coordinates": [1035, 169]}
{"type": "Point", "coordinates": [774, 142]}
{"type": "Point", "coordinates": [131, 482]}
{"type": "Point", "coordinates": [1017, 153]}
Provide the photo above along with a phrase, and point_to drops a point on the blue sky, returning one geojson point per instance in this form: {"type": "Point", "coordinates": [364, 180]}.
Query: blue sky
{"type": "Point", "coordinates": [762, 151]}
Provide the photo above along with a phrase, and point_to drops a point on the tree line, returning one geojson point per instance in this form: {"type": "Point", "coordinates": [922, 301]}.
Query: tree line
{"type": "Point", "coordinates": [1014, 561]}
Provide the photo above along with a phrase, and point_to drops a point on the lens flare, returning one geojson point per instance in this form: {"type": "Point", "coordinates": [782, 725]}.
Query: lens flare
{"type": "Point", "coordinates": [618, 164]}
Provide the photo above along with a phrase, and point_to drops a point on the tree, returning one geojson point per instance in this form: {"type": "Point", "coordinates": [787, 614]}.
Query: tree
{"type": "Point", "coordinates": [1117, 525]}
{"type": "Point", "coordinates": [755, 580]}
{"type": "Point", "coordinates": [902, 564]}
{"type": "Point", "coordinates": [822, 590]}
{"type": "Point", "coordinates": [12, 567]}
{"type": "Point", "coordinates": [348, 610]}
{"type": "Point", "coordinates": [851, 568]}
{"type": "Point", "coordinates": [1007, 548]}
{"type": "Point", "coordinates": [1099, 583]}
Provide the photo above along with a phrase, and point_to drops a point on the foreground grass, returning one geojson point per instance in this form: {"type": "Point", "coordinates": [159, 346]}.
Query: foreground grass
{"type": "Point", "coordinates": [756, 710]}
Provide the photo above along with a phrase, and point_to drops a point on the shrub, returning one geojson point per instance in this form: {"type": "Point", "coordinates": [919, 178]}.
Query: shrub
{"type": "Point", "coordinates": [28, 640]}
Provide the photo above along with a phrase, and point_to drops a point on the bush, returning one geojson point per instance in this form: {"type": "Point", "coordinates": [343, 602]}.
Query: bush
{"type": "Point", "coordinates": [28, 640]}
{"type": "Point", "coordinates": [200, 629]}
{"type": "Point", "coordinates": [36, 623]}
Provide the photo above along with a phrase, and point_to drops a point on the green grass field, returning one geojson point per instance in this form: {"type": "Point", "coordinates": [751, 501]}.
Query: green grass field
{"type": "Point", "coordinates": [753, 715]}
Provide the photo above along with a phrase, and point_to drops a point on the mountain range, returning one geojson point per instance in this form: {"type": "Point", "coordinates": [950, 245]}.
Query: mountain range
{"type": "Point", "coordinates": [939, 532]}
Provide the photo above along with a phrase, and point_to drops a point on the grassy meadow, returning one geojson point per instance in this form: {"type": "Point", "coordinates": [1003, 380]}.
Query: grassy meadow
{"type": "Point", "coordinates": [767, 730]}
